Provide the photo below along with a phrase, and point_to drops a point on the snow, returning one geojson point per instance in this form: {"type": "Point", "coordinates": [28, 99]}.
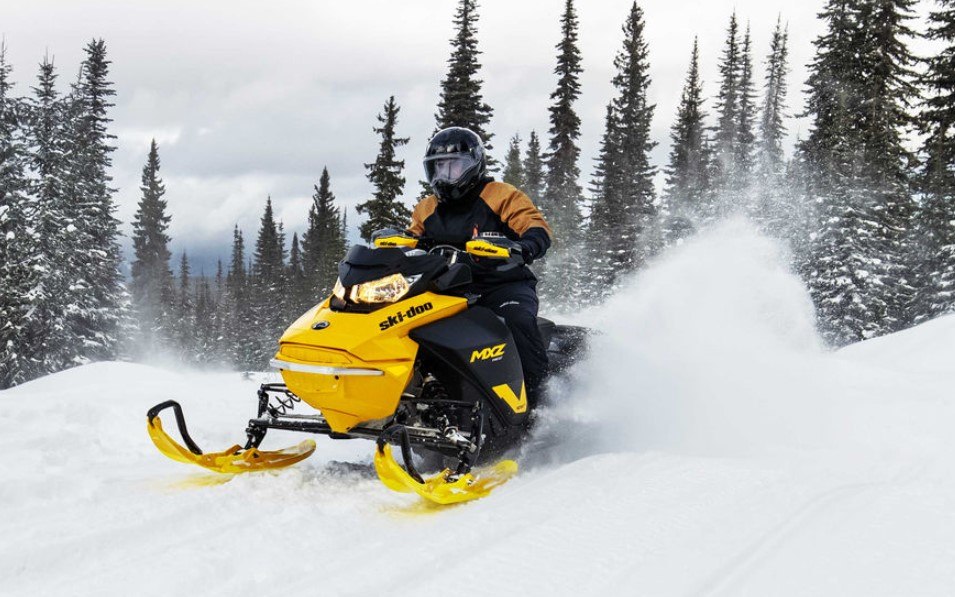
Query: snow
{"type": "Point", "coordinates": [710, 446]}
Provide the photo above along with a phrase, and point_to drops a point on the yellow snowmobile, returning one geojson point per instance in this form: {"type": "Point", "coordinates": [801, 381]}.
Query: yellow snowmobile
{"type": "Point", "coordinates": [400, 355]}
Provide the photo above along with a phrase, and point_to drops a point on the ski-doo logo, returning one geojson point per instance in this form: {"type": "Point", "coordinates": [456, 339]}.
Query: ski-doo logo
{"type": "Point", "coordinates": [483, 249]}
{"type": "Point", "coordinates": [491, 352]}
{"type": "Point", "coordinates": [402, 316]}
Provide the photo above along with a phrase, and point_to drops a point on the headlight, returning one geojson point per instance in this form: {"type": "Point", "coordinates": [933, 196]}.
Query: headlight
{"type": "Point", "coordinates": [384, 290]}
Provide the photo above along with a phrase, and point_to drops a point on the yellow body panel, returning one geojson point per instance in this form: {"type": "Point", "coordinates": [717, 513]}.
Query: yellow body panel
{"type": "Point", "coordinates": [517, 403]}
{"type": "Point", "coordinates": [377, 340]}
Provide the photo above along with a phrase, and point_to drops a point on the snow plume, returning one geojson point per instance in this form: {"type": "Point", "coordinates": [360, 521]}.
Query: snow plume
{"type": "Point", "coordinates": [713, 348]}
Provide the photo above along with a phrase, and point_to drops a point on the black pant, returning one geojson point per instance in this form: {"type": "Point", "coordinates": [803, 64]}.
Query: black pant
{"type": "Point", "coordinates": [516, 303]}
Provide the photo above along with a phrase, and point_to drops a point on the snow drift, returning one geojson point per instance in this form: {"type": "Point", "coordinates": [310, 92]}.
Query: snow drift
{"type": "Point", "coordinates": [709, 445]}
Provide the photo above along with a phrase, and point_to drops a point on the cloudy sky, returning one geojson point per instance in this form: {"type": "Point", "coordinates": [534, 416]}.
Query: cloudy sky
{"type": "Point", "coordinates": [249, 99]}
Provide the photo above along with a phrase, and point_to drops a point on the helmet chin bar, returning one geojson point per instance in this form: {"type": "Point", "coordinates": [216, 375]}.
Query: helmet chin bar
{"type": "Point", "coordinates": [452, 193]}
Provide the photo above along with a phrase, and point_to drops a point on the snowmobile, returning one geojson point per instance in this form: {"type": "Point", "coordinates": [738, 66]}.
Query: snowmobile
{"type": "Point", "coordinates": [399, 354]}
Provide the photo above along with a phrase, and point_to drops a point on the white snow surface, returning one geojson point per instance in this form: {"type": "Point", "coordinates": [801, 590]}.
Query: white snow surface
{"type": "Point", "coordinates": [708, 446]}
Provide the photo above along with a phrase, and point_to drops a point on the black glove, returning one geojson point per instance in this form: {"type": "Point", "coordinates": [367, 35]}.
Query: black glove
{"type": "Point", "coordinates": [535, 242]}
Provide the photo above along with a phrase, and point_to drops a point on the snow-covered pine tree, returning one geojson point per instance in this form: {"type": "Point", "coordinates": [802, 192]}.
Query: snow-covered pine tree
{"type": "Point", "coordinates": [323, 243]}
{"type": "Point", "coordinates": [534, 169]}
{"type": "Point", "coordinates": [298, 298]}
{"type": "Point", "coordinates": [726, 134]}
{"type": "Point", "coordinates": [561, 205]}
{"type": "Point", "coordinates": [47, 344]}
{"type": "Point", "coordinates": [461, 102]}
{"type": "Point", "coordinates": [219, 352]}
{"type": "Point", "coordinates": [96, 316]}
{"type": "Point", "coordinates": [859, 93]}
{"type": "Point", "coordinates": [625, 208]}
{"type": "Point", "coordinates": [268, 285]}
{"type": "Point", "coordinates": [206, 336]}
{"type": "Point", "coordinates": [513, 165]}
{"type": "Point", "coordinates": [151, 283]}
{"type": "Point", "coordinates": [18, 237]}
{"type": "Point", "coordinates": [777, 215]}
{"type": "Point", "coordinates": [745, 158]}
{"type": "Point", "coordinates": [601, 224]}
{"type": "Point", "coordinates": [560, 269]}
{"type": "Point", "coordinates": [385, 209]}
{"type": "Point", "coordinates": [802, 222]}
{"type": "Point", "coordinates": [936, 219]}
{"type": "Point", "coordinates": [238, 329]}
{"type": "Point", "coordinates": [184, 312]}
{"type": "Point", "coordinates": [687, 173]}
{"type": "Point", "coordinates": [772, 128]}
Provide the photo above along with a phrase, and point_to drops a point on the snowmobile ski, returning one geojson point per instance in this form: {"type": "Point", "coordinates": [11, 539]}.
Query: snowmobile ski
{"type": "Point", "coordinates": [233, 460]}
{"type": "Point", "coordinates": [444, 488]}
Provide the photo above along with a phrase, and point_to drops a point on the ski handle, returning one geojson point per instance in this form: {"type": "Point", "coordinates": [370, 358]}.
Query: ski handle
{"type": "Point", "coordinates": [153, 412]}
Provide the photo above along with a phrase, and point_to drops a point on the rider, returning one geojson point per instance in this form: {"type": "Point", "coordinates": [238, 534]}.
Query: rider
{"type": "Point", "coordinates": [467, 203]}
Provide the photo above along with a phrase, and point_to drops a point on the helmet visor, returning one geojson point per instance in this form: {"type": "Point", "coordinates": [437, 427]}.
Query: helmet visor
{"type": "Point", "coordinates": [449, 168]}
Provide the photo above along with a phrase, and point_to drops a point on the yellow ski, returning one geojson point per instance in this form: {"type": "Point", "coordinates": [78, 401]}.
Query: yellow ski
{"type": "Point", "coordinates": [442, 488]}
{"type": "Point", "coordinates": [233, 460]}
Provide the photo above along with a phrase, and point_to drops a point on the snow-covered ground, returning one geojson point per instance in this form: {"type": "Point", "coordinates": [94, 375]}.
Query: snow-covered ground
{"type": "Point", "coordinates": [709, 446]}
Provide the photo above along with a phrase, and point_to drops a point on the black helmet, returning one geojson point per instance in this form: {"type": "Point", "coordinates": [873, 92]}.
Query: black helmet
{"type": "Point", "coordinates": [454, 162]}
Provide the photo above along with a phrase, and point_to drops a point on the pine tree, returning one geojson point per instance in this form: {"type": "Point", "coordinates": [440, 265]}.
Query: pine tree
{"type": "Point", "coordinates": [533, 167]}
{"type": "Point", "coordinates": [513, 165]}
{"type": "Point", "coordinates": [745, 157]}
{"type": "Point", "coordinates": [96, 316]}
{"type": "Point", "coordinates": [461, 102]}
{"type": "Point", "coordinates": [773, 209]}
{"type": "Point", "coordinates": [625, 208]}
{"type": "Point", "coordinates": [268, 285]}
{"type": "Point", "coordinates": [726, 135]}
{"type": "Point", "coordinates": [606, 195]}
{"type": "Point", "coordinates": [936, 219]}
{"type": "Point", "coordinates": [687, 174]}
{"type": "Point", "coordinates": [49, 251]}
{"type": "Point", "coordinates": [561, 205]}
{"type": "Point", "coordinates": [269, 250]}
{"type": "Point", "coordinates": [560, 270]}
{"type": "Point", "coordinates": [298, 298]}
{"type": "Point", "coordinates": [151, 283]}
{"type": "Point", "coordinates": [184, 312]}
{"type": "Point", "coordinates": [385, 209]}
{"type": "Point", "coordinates": [18, 239]}
{"type": "Point", "coordinates": [323, 244]}
{"type": "Point", "coordinates": [206, 347]}
{"type": "Point", "coordinates": [239, 331]}
{"type": "Point", "coordinates": [859, 92]}
{"type": "Point", "coordinates": [771, 126]}
{"type": "Point", "coordinates": [219, 352]}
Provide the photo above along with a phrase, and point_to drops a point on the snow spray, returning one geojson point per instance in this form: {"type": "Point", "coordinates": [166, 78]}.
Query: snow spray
{"type": "Point", "coordinates": [711, 349]}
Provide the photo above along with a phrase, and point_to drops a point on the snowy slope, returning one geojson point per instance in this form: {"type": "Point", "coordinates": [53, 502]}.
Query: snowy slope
{"type": "Point", "coordinates": [709, 446]}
